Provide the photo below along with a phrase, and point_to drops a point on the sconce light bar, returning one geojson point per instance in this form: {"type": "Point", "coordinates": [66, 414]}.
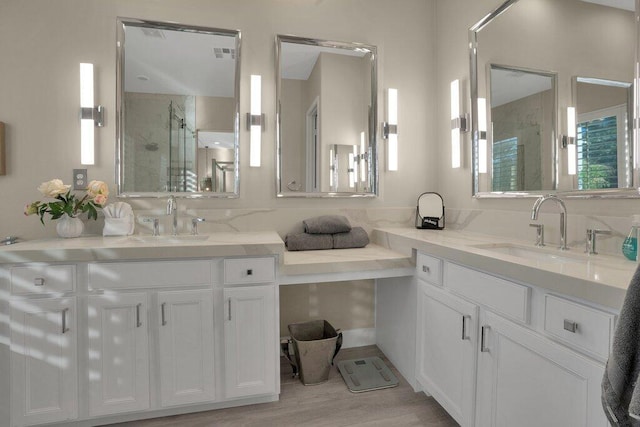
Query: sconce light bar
{"type": "Point", "coordinates": [255, 121]}
{"type": "Point", "coordinates": [390, 129]}
{"type": "Point", "coordinates": [569, 141]}
{"type": "Point", "coordinates": [459, 124]}
{"type": "Point", "coordinates": [90, 115]}
{"type": "Point", "coordinates": [482, 140]}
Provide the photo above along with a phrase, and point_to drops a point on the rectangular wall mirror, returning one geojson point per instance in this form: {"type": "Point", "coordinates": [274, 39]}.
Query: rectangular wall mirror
{"type": "Point", "coordinates": [594, 38]}
{"type": "Point", "coordinates": [178, 110]}
{"type": "Point", "coordinates": [326, 106]}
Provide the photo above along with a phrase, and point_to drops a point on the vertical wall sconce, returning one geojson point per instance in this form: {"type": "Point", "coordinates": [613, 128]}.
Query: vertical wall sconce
{"type": "Point", "coordinates": [363, 157]}
{"type": "Point", "coordinates": [255, 121]}
{"type": "Point", "coordinates": [352, 168]}
{"type": "Point", "coordinates": [482, 137]}
{"type": "Point", "coordinates": [458, 124]}
{"type": "Point", "coordinates": [90, 115]}
{"type": "Point", "coordinates": [569, 141]}
{"type": "Point", "coordinates": [390, 130]}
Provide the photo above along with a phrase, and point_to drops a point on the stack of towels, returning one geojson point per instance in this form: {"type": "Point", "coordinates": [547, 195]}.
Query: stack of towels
{"type": "Point", "coordinates": [118, 219]}
{"type": "Point", "coordinates": [327, 232]}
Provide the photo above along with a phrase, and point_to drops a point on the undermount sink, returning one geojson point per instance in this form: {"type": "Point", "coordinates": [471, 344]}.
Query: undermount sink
{"type": "Point", "coordinates": [169, 238]}
{"type": "Point", "coordinates": [552, 255]}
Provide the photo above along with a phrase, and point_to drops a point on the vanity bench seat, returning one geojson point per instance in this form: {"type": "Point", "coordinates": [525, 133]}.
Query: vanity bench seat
{"type": "Point", "coordinates": [332, 265]}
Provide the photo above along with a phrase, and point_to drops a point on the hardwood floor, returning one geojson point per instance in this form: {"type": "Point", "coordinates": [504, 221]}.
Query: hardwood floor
{"type": "Point", "coordinates": [327, 405]}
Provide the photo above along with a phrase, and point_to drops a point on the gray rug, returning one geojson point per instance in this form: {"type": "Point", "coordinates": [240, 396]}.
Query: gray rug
{"type": "Point", "coordinates": [367, 374]}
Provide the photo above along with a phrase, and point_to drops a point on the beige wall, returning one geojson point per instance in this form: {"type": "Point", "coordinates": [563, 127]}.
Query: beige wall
{"type": "Point", "coordinates": [346, 305]}
{"type": "Point", "coordinates": [215, 113]}
{"type": "Point", "coordinates": [293, 132]}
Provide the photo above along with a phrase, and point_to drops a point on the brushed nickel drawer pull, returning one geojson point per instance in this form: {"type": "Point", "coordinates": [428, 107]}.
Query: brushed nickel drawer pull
{"type": "Point", "coordinates": [162, 308]}
{"type": "Point", "coordinates": [64, 321]}
{"type": "Point", "coordinates": [229, 309]}
{"type": "Point", "coordinates": [138, 321]}
{"type": "Point", "coordinates": [250, 272]}
{"type": "Point", "coordinates": [464, 328]}
{"type": "Point", "coordinates": [483, 348]}
{"type": "Point", "coordinates": [570, 326]}
{"type": "Point", "coordinates": [38, 281]}
{"type": "Point", "coordinates": [426, 269]}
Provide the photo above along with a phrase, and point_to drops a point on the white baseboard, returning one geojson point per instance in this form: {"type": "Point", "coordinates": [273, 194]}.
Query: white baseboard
{"type": "Point", "coordinates": [358, 337]}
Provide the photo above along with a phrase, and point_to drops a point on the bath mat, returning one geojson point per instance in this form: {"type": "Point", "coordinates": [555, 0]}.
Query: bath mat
{"type": "Point", "coordinates": [366, 374]}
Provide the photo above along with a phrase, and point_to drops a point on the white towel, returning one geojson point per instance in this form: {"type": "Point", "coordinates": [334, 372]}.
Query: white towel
{"type": "Point", "coordinates": [118, 219]}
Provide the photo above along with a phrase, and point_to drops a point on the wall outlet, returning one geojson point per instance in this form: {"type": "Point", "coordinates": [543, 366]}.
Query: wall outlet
{"type": "Point", "coordinates": [80, 179]}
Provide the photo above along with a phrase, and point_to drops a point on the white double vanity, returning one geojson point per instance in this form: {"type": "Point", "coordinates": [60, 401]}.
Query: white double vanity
{"type": "Point", "coordinates": [97, 330]}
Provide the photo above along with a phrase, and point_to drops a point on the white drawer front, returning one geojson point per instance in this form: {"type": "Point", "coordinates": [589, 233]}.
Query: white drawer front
{"type": "Point", "coordinates": [249, 270]}
{"type": "Point", "coordinates": [588, 329]}
{"type": "Point", "coordinates": [429, 269]}
{"type": "Point", "coordinates": [42, 278]}
{"type": "Point", "coordinates": [502, 296]}
{"type": "Point", "coordinates": [123, 275]}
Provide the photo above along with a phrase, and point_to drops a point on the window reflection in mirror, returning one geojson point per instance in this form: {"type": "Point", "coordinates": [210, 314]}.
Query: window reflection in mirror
{"type": "Point", "coordinates": [326, 118]}
{"type": "Point", "coordinates": [603, 134]}
{"type": "Point", "coordinates": [178, 110]}
{"type": "Point", "coordinates": [523, 111]}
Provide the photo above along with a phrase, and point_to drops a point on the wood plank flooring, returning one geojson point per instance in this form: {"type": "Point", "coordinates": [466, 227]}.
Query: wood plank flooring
{"type": "Point", "coordinates": [327, 405]}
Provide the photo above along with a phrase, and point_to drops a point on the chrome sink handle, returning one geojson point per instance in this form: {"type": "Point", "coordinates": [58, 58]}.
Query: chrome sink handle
{"type": "Point", "coordinates": [194, 225]}
{"type": "Point", "coordinates": [590, 243]}
{"type": "Point", "coordinates": [156, 224]}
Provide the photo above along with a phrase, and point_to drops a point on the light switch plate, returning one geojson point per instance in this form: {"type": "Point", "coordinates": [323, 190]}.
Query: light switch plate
{"type": "Point", "coordinates": [80, 179]}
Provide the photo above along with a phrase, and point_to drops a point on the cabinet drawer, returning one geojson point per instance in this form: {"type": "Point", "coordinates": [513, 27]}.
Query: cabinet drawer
{"type": "Point", "coordinates": [42, 278]}
{"type": "Point", "coordinates": [249, 270]}
{"type": "Point", "coordinates": [429, 269]}
{"type": "Point", "coordinates": [588, 329]}
{"type": "Point", "coordinates": [502, 296]}
{"type": "Point", "coordinates": [125, 275]}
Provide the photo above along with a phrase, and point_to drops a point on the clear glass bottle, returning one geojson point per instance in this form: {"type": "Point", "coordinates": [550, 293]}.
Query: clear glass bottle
{"type": "Point", "coordinates": [630, 244]}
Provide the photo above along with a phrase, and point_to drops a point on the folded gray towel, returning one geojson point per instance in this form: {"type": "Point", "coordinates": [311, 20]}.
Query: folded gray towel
{"type": "Point", "coordinates": [621, 381]}
{"type": "Point", "coordinates": [308, 242]}
{"type": "Point", "coordinates": [356, 238]}
{"type": "Point", "coordinates": [326, 224]}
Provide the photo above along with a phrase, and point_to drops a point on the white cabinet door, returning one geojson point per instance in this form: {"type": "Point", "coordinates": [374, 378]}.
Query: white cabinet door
{"type": "Point", "coordinates": [251, 346]}
{"type": "Point", "coordinates": [118, 353]}
{"type": "Point", "coordinates": [43, 361]}
{"type": "Point", "coordinates": [446, 350]}
{"type": "Point", "coordinates": [526, 380]}
{"type": "Point", "coordinates": [186, 347]}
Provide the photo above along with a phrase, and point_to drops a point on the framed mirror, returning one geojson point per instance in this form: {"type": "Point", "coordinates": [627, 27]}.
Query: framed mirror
{"type": "Point", "coordinates": [178, 110]}
{"type": "Point", "coordinates": [593, 38]}
{"type": "Point", "coordinates": [326, 116]}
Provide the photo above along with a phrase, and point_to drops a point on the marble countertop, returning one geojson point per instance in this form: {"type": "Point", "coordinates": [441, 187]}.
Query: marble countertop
{"type": "Point", "coordinates": [98, 248]}
{"type": "Point", "coordinates": [601, 279]}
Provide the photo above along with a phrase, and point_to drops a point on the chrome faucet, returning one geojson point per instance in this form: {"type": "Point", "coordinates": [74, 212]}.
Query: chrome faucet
{"type": "Point", "coordinates": [563, 216]}
{"type": "Point", "coordinates": [172, 209]}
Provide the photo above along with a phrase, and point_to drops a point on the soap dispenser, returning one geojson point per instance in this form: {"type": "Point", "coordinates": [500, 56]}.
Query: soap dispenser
{"type": "Point", "coordinates": [630, 244]}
